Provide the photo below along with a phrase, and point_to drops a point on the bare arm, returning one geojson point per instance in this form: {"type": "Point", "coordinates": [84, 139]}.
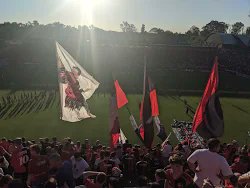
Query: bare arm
{"type": "Point", "coordinates": [86, 174]}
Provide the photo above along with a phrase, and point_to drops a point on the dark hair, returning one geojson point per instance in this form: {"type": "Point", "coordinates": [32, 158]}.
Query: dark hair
{"type": "Point", "coordinates": [51, 183]}
{"type": "Point", "coordinates": [113, 154]}
{"type": "Point", "coordinates": [16, 184]}
{"type": "Point", "coordinates": [77, 155]}
{"type": "Point", "coordinates": [78, 70]}
{"type": "Point", "coordinates": [114, 182]}
{"type": "Point", "coordinates": [55, 157]}
{"type": "Point", "coordinates": [36, 148]}
{"type": "Point", "coordinates": [213, 143]}
{"type": "Point", "coordinates": [101, 178]}
{"type": "Point", "coordinates": [160, 173]}
{"type": "Point", "coordinates": [5, 180]}
{"type": "Point", "coordinates": [176, 159]}
{"type": "Point", "coordinates": [142, 181]}
{"type": "Point", "coordinates": [234, 180]}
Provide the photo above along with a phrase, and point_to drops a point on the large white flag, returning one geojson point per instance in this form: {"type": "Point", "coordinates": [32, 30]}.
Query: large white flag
{"type": "Point", "coordinates": [76, 86]}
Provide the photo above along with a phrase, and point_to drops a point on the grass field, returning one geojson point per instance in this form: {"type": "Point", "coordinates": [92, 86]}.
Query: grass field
{"type": "Point", "coordinates": [47, 123]}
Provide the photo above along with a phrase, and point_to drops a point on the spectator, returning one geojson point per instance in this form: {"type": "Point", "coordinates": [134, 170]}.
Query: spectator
{"type": "Point", "coordinates": [166, 151]}
{"type": "Point", "coordinates": [5, 180]}
{"type": "Point", "coordinates": [19, 160]}
{"type": "Point", "coordinates": [61, 171]}
{"type": "Point", "coordinates": [4, 164]}
{"type": "Point", "coordinates": [114, 183]}
{"type": "Point", "coordinates": [160, 177]}
{"type": "Point", "coordinates": [115, 159]}
{"type": "Point", "coordinates": [175, 176]}
{"type": "Point", "coordinates": [79, 166]}
{"type": "Point", "coordinates": [51, 183]}
{"type": "Point", "coordinates": [37, 168]}
{"type": "Point", "coordinates": [241, 165]}
{"type": "Point", "coordinates": [142, 181]}
{"type": "Point", "coordinates": [100, 179]}
{"type": "Point", "coordinates": [200, 162]}
{"type": "Point", "coordinates": [244, 179]}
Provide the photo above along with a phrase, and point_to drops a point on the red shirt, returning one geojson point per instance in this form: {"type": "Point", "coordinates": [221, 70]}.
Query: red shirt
{"type": "Point", "coordinates": [38, 167]}
{"type": "Point", "coordinates": [5, 145]}
{"type": "Point", "coordinates": [90, 184]}
{"type": "Point", "coordinates": [19, 160]}
{"type": "Point", "coordinates": [239, 167]}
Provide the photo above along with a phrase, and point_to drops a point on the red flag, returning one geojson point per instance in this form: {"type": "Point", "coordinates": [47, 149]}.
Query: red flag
{"type": "Point", "coordinates": [147, 120]}
{"type": "Point", "coordinates": [141, 108]}
{"type": "Point", "coordinates": [114, 123]}
{"type": "Point", "coordinates": [153, 98]}
{"type": "Point", "coordinates": [120, 95]}
{"type": "Point", "coordinates": [208, 118]}
{"type": "Point", "coordinates": [141, 130]}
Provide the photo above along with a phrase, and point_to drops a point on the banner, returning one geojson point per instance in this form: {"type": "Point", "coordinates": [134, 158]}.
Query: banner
{"type": "Point", "coordinates": [76, 87]}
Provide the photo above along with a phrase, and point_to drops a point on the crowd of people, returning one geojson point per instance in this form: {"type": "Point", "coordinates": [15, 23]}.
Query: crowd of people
{"type": "Point", "coordinates": [54, 164]}
{"type": "Point", "coordinates": [14, 105]}
{"type": "Point", "coordinates": [235, 61]}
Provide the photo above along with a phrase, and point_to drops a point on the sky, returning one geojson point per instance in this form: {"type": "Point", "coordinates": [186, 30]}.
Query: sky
{"type": "Point", "coordinates": [173, 15]}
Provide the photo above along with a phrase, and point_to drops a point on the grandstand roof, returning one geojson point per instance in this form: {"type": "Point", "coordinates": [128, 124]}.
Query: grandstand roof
{"type": "Point", "coordinates": [227, 40]}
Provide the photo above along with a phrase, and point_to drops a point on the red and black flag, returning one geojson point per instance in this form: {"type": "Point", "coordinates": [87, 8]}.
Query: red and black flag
{"type": "Point", "coordinates": [120, 95]}
{"type": "Point", "coordinates": [122, 100]}
{"type": "Point", "coordinates": [208, 118]}
{"type": "Point", "coordinates": [153, 98]}
{"type": "Point", "coordinates": [161, 133]}
{"type": "Point", "coordinates": [114, 123]}
{"type": "Point", "coordinates": [146, 114]}
{"type": "Point", "coordinates": [138, 130]}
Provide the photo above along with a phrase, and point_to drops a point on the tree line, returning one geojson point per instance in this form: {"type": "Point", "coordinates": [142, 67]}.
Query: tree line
{"type": "Point", "coordinates": [129, 33]}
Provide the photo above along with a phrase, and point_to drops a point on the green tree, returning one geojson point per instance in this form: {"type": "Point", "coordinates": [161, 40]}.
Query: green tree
{"type": "Point", "coordinates": [35, 23]}
{"type": "Point", "coordinates": [214, 27]}
{"type": "Point", "coordinates": [248, 31]}
{"type": "Point", "coordinates": [143, 28]}
{"type": "Point", "coordinates": [237, 28]}
{"type": "Point", "coordinates": [193, 31]}
{"type": "Point", "coordinates": [156, 30]}
{"type": "Point", "coordinates": [126, 27]}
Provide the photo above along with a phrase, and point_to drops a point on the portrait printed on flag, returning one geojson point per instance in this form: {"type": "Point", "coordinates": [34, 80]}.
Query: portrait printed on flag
{"type": "Point", "coordinates": [75, 86]}
{"type": "Point", "coordinates": [74, 98]}
{"type": "Point", "coordinates": [74, 92]}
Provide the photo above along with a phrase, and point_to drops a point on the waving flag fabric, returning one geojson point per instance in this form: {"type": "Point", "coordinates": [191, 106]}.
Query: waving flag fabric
{"type": "Point", "coordinates": [208, 119]}
{"type": "Point", "coordinates": [76, 87]}
{"type": "Point", "coordinates": [114, 124]}
{"type": "Point", "coordinates": [147, 120]}
{"type": "Point", "coordinates": [120, 95]}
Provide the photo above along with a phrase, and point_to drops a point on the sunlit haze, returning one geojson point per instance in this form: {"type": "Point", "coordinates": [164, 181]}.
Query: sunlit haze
{"type": "Point", "coordinates": [174, 15]}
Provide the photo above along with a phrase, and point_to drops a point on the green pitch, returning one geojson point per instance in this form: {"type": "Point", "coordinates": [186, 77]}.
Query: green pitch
{"type": "Point", "coordinates": [47, 123]}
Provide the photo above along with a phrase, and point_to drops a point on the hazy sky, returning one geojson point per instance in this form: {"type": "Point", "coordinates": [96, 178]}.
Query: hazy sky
{"type": "Point", "coordinates": [174, 15]}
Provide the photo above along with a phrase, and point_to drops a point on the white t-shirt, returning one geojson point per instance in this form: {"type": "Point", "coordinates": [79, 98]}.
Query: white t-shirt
{"type": "Point", "coordinates": [78, 167]}
{"type": "Point", "coordinates": [210, 165]}
{"type": "Point", "coordinates": [167, 149]}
